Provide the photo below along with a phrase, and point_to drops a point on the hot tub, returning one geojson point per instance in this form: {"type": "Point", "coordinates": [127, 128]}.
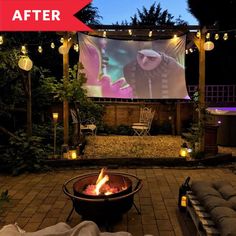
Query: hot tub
{"type": "Point", "coordinates": [225, 117]}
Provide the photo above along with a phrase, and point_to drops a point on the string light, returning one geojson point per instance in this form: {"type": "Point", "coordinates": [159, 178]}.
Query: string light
{"type": "Point", "coordinates": [186, 51]}
{"type": "Point", "coordinates": [130, 32]}
{"type": "Point", "coordinates": [1, 40]}
{"type": "Point", "coordinates": [208, 35]}
{"type": "Point", "coordinates": [23, 49]}
{"type": "Point", "coordinates": [217, 36]}
{"type": "Point", "coordinates": [52, 45]}
{"type": "Point", "coordinates": [76, 47]}
{"type": "Point", "coordinates": [40, 49]}
{"type": "Point", "coordinates": [150, 34]}
{"type": "Point", "coordinates": [62, 40]}
{"type": "Point", "coordinates": [104, 33]}
{"type": "Point", "coordinates": [191, 50]}
{"type": "Point", "coordinates": [225, 37]}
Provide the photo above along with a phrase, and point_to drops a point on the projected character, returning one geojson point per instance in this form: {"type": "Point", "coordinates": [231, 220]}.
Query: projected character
{"type": "Point", "coordinates": [156, 75]}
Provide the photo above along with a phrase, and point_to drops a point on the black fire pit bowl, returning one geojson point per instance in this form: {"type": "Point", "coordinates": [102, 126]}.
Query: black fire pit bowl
{"type": "Point", "coordinates": [103, 206]}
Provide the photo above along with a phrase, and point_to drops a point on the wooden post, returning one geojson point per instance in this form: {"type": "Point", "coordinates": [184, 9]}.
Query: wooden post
{"type": "Point", "coordinates": [29, 105]}
{"type": "Point", "coordinates": [66, 45]}
{"type": "Point", "coordinates": [201, 87]}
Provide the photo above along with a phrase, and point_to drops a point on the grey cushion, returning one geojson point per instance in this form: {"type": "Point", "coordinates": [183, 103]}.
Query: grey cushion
{"type": "Point", "coordinates": [227, 227]}
{"type": "Point", "coordinates": [210, 202]}
{"type": "Point", "coordinates": [218, 213]}
{"type": "Point", "coordinates": [227, 191]}
{"type": "Point", "coordinates": [219, 200]}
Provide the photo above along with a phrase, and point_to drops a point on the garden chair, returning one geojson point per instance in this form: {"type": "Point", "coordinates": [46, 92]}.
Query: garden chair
{"type": "Point", "coordinates": [144, 116]}
{"type": "Point", "coordinates": [143, 128]}
{"type": "Point", "coordinates": [86, 126]}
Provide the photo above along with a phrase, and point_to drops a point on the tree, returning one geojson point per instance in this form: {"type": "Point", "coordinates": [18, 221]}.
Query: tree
{"type": "Point", "coordinates": [89, 15]}
{"type": "Point", "coordinates": [217, 13]}
{"type": "Point", "coordinates": [154, 16]}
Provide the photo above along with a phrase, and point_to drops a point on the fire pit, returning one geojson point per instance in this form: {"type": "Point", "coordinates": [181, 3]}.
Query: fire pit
{"type": "Point", "coordinates": [95, 200]}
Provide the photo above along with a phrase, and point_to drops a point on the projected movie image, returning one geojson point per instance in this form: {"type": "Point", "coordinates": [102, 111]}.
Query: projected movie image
{"type": "Point", "coordinates": [134, 69]}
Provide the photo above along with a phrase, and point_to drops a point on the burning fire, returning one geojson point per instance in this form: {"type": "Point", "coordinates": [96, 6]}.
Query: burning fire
{"type": "Point", "coordinates": [102, 187]}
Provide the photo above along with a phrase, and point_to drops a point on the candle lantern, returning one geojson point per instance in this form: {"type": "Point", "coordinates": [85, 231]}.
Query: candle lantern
{"type": "Point", "coordinates": [183, 152]}
{"type": "Point", "coordinates": [55, 116]}
{"type": "Point", "coordinates": [73, 154]}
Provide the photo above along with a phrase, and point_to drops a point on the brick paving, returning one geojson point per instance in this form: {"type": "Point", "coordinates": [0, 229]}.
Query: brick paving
{"type": "Point", "coordinates": [37, 200]}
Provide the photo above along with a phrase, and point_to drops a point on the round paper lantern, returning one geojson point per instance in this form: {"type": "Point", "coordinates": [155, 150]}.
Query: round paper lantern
{"type": "Point", "coordinates": [63, 50]}
{"type": "Point", "coordinates": [208, 46]}
{"type": "Point", "coordinates": [25, 63]}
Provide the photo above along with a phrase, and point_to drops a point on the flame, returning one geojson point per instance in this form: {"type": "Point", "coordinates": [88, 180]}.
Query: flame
{"type": "Point", "coordinates": [101, 181]}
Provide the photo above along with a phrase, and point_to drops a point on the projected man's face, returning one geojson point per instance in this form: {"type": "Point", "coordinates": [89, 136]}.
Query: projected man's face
{"type": "Point", "coordinates": [148, 59]}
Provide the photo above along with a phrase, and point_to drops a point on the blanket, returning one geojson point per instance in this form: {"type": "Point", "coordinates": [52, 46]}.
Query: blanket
{"type": "Point", "coordinates": [85, 228]}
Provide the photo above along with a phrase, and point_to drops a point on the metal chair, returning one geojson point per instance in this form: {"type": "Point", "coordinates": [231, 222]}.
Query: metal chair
{"type": "Point", "coordinates": [86, 126]}
{"type": "Point", "coordinates": [143, 128]}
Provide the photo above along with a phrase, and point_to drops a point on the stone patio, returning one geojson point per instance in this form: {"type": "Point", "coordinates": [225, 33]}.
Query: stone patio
{"type": "Point", "coordinates": [37, 200]}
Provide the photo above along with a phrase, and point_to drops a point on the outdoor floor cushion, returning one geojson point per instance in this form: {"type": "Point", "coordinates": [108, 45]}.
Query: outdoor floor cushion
{"type": "Point", "coordinates": [219, 200]}
{"type": "Point", "coordinates": [86, 228]}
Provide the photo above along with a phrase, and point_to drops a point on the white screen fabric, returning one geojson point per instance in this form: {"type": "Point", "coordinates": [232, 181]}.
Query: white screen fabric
{"type": "Point", "coordinates": [134, 69]}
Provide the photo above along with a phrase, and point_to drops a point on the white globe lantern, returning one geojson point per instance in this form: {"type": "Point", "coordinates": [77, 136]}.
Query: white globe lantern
{"type": "Point", "coordinates": [63, 50]}
{"type": "Point", "coordinates": [25, 63]}
{"type": "Point", "coordinates": [208, 46]}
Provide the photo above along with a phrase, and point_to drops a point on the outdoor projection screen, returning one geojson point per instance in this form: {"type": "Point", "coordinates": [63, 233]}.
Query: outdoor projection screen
{"type": "Point", "coordinates": [134, 69]}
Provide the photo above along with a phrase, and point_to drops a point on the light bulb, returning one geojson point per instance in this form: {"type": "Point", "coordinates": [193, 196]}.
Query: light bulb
{"type": "Point", "coordinates": [225, 37]}
{"type": "Point", "coordinates": [208, 35]}
{"type": "Point", "coordinates": [1, 40]}
{"type": "Point", "coordinates": [40, 49]}
{"type": "Point", "coordinates": [130, 32]}
{"type": "Point", "coordinates": [52, 45]}
{"type": "Point", "coordinates": [23, 49]}
{"type": "Point", "coordinates": [216, 36]}
{"type": "Point", "coordinates": [62, 40]}
{"type": "Point", "coordinates": [104, 33]}
{"type": "Point", "coordinates": [76, 47]}
{"type": "Point", "coordinates": [150, 33]}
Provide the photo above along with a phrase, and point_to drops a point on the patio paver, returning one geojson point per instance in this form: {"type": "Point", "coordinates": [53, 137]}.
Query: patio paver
{"type": "Point", "coordinates": [37, 200]}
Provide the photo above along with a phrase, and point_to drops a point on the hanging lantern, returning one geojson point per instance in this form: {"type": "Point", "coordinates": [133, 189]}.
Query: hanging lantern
{"type": "Point", "coordinates": [208, 45]}
{"type": "Point", "coordinates": [25, 63]}
{"type": "Point", "coordinates": [63, 50]}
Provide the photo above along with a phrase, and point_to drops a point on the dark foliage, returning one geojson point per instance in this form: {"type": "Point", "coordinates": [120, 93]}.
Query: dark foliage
{"type": "Point", "coordinates": [218, 13]}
